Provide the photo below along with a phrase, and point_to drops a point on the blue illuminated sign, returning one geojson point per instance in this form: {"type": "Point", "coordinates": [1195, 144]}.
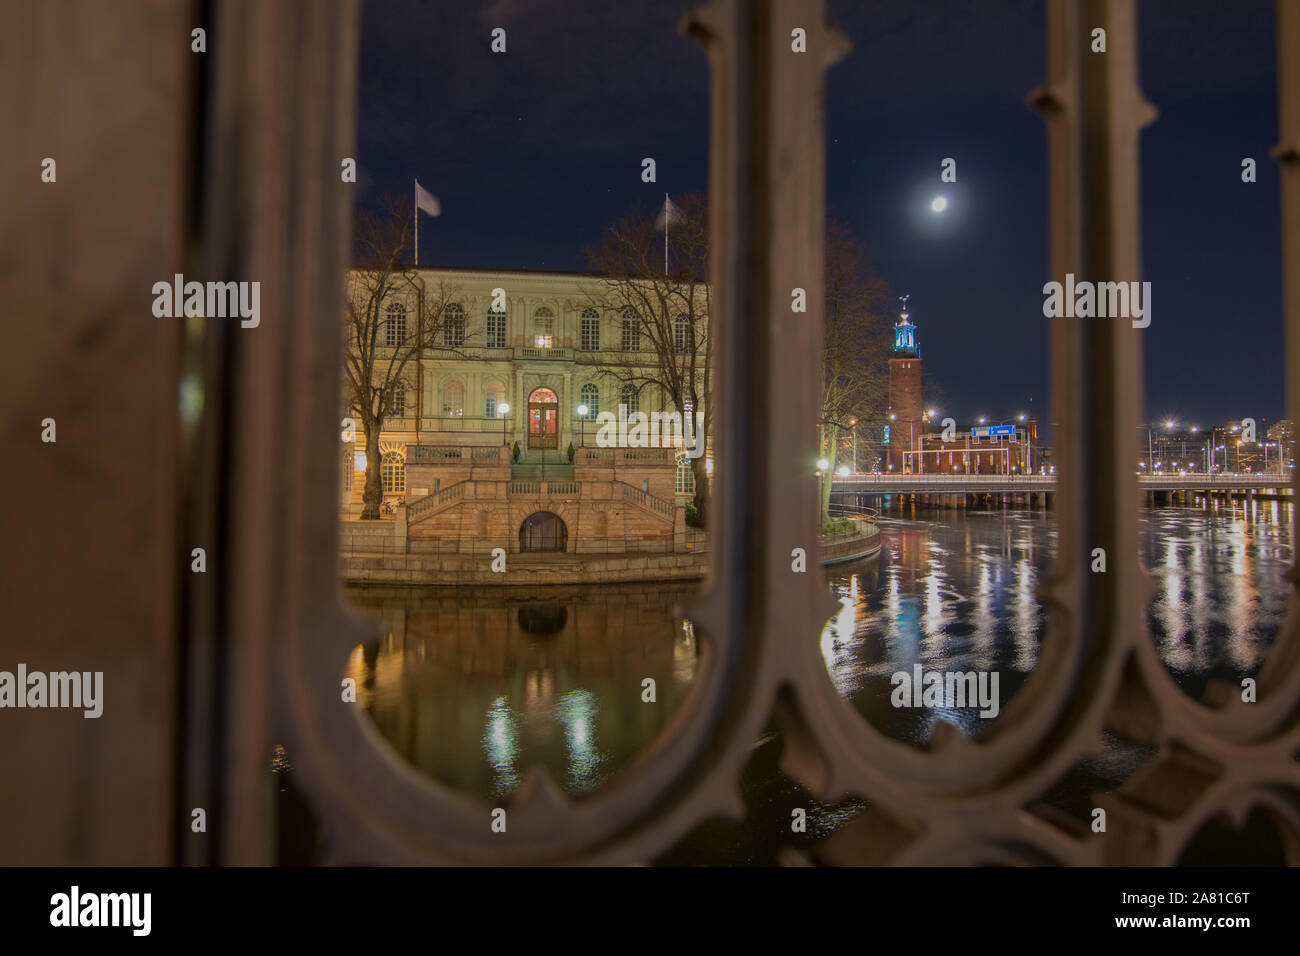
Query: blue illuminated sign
{"type": "Point", "coordinates": [994, 431]}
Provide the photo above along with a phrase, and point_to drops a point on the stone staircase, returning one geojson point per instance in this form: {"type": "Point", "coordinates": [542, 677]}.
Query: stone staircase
{"type": "Point", "coordinates": [646, 500]}
{"type": "Point", "coordinates": [430, 505]}
{"type": "Point", "coordinates": [542, 465]}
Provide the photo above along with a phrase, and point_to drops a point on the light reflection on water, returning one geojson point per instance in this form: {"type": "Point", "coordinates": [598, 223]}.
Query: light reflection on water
{"type": "Point", "coordinates": [952, 595]}
{"type": "Point", "coordinates": [961, 595]}
{"type": "Point", "coordinates": [474, 688]}
{"type": "Point", "coordinates": [1222, 590]}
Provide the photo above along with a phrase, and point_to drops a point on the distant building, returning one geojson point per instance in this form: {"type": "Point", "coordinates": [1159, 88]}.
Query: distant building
{"type": "Point", "coordinates": [1283, 433]}
{"type": "Point", "coordinates": [913, 448]}
{"type": "Point", "coordinates": [906, 424]}
{"type": "Point", "coordinates": [1172, 447]}
{"type": "Point", "coordinates": [1224, 448]}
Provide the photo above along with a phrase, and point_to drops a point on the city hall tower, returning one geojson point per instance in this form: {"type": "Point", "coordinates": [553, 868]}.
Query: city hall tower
{"type": "Point", "coordinates": [906, 419]}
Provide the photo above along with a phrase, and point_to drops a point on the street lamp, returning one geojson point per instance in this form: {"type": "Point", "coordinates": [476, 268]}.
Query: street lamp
{"type": "Point", "coordinates": [504, 409]}
{"type": "Point", "coordinates": [822, 466]}
{"type": "Point", "coordinates": [853, 426]}
{"type": "Point", "coordinates": [582, 417]}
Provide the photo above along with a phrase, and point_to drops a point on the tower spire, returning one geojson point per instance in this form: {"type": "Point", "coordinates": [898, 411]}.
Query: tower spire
{"type": "Point", "coordinates": [905, 331]}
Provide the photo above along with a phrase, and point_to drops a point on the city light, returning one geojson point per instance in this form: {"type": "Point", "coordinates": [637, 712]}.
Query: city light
{"type": "Point", "coordinates": [939, 204]}
{"type": "Point", "coordinates": [842, 471]}
{"type": "Point", "coordinates": [823, 464]}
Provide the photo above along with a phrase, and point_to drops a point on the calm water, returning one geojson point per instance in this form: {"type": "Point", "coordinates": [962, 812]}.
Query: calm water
{"type": "Point", "coordinates": [475, 686]}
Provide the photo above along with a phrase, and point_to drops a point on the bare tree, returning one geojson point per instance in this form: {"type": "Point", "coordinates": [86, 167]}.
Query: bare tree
{"type": "Point", "coordinates": [666, 306]}
{"type": "Point", "coordinates": [394, 317]}
{"type": "Point", "coordinates": [855, 366]}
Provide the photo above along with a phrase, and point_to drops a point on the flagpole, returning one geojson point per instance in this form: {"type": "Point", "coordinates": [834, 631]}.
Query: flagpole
{"type": "Point", "coordinates": [667, 219]}
{"type": "Point", "coordinates": [416, 210]}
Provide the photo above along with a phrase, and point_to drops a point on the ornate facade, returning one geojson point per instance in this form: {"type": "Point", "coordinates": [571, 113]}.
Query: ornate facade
{"type": "Point", "coordinates": [532, 359]}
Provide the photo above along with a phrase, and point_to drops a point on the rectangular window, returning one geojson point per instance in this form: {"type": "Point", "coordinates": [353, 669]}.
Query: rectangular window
{"type": "Point", "coordinates": [590, 335]}
{"type": "Point", "coordinates": [631, 336]}
{"type": "Point", "coordinates": [545, 325]}
{"type": "Point", "coordinates": [682, 334]}
{"type": "Point", "coordinates": [395, 328]}
{"type": "Point", "coordinates": [496, 330]}
{"type": "Point", "coordinates": [453, 333]}
{"type": "Point", "coordinates": [685, 484]}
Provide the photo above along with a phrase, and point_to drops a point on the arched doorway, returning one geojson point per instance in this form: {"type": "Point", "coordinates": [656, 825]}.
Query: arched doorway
{"type": "Point", "coordinates": [543, 620]}
{"type": "Point", "coordinates": [543, 531]}
{"type": "Point", "coordinates": [543, 419]}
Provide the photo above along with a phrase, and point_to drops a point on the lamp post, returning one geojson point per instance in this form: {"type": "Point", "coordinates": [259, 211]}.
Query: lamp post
{"type": "Point", "coordinates": [504, 408]}
{"type": "Point", "coordinates": [1151, 458]}
{"type": "Point", "coordinates": [822, 467]}
{"type": "Point", "coordinates": [582, 417]}
{"type": "Point", "coordinates": [853, 430]}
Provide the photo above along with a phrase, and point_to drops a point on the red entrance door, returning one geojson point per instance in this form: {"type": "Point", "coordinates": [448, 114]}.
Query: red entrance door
{"type": "Point", "coordinates": [543, 419]}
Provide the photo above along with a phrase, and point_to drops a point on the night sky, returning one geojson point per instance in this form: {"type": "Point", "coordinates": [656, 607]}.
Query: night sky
{"type": "Point", "coordinates": [534, 152]}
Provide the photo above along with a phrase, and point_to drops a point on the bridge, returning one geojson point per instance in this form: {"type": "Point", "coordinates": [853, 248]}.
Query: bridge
{"type": "Point", "coordinates": [893, 484]}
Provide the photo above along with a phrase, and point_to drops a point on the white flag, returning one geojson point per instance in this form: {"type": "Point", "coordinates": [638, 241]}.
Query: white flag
{"type": "Point", "coordinates": [670, 214]}
{"type": "Point", "coordinates": [426, 200]}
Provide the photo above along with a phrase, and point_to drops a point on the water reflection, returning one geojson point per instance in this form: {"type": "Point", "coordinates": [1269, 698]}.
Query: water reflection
{"type": "Point", "coordinates": [474, 686]}
{"type": "Point", "coordinates": [960, 594]}
{"type": "Point", "coordinates": [956, 595]}
{"type": "Point", "coordinates": [1222, 588]}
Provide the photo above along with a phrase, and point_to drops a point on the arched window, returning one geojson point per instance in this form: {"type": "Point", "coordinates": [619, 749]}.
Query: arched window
{"type": "Point", "coordinates": [631, 398]}
{"type": "Point", "coordinates": [496, 395]}
{"type": "Point", "coordinates": [392, 469]}
{"type": "Point", "coordinates": [589, 395]}
{"type": "Point", "coordinates": [544, 328]}
{"type": "Point", "coordinates": [631, 331]}
{"type": "Point", "coordinates": [496, 328]}
{"type": "Point", "coordinates": [398, 407]}
{"type": "Point", "coordinates": [453, 325]}
{"type": "Point", "coordinates": [453, 399]}
{"type": "Point", "coordinates": [685, 477]}
{"type": "Point", "coordinates": [682, 334]}
{"type": "Point", "coordinates": [590, 330]}
{"type": "Point", "coordinates": [395, 325]}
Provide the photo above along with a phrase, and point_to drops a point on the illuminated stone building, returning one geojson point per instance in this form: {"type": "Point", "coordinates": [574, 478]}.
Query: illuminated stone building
{"type": "Point", "coordinates": [538, 371]}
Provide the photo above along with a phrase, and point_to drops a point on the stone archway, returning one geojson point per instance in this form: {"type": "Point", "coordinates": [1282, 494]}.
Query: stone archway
{"type": "Point", "coordinates": [543, 531]}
